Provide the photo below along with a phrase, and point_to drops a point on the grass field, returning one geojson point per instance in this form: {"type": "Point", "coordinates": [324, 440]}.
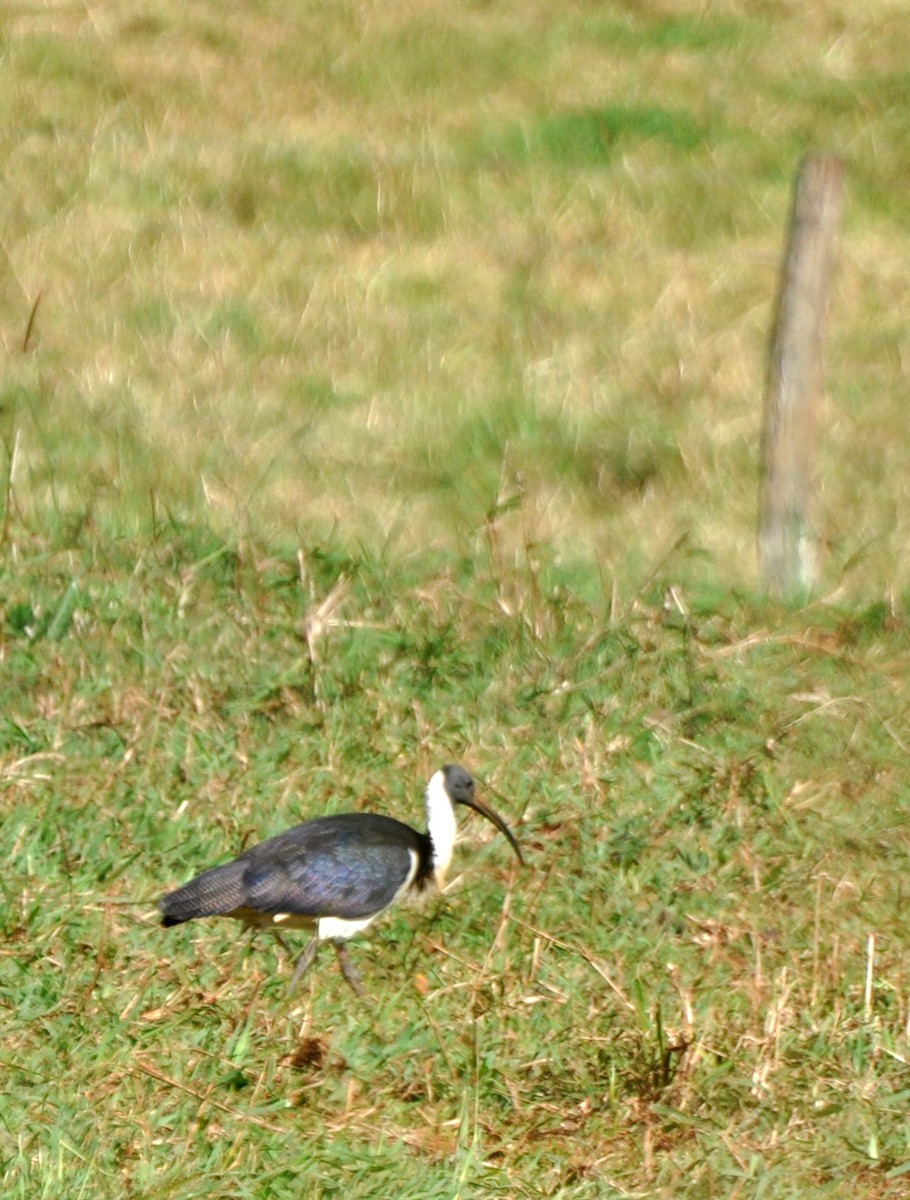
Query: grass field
{"type": "Point", "coordinates": [382, 388]}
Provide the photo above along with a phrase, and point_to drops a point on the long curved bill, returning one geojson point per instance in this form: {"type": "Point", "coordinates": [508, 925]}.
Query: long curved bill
{"type": "Point", "coordinates": [496, 819]}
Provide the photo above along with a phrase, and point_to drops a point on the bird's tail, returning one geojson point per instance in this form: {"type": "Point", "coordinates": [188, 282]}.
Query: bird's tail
{"type": "Point", "coordinates": [210, 894]}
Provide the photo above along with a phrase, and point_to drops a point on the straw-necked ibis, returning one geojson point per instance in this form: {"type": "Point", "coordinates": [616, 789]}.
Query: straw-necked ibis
{"type": "Point", "coordinates": [336, 874]}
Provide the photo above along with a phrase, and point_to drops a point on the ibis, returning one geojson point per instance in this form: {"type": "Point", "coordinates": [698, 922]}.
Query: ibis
{"type": "Point", "coordinates": [334, 875]}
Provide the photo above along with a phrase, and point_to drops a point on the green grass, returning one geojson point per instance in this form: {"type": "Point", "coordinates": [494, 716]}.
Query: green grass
{"type": "Point", "coordinates": [452, 319]}
{"type": "Point", "coordinates": [671, 998]}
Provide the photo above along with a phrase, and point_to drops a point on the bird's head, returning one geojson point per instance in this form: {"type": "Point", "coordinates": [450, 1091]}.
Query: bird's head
{"type": "Point", "coordinates": [461, 790]}
{"type": "Point", "coordinates": [449, 787]}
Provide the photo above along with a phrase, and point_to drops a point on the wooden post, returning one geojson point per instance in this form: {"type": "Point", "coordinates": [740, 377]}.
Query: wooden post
{"type": "Point", "coordinates": [786, 544]}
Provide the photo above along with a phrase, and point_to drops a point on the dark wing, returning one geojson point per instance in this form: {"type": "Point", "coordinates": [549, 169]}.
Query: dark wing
{"type": "Point", "coordinates": [351, 866]}
{"type": "Point", "coordinates": [219, 890]}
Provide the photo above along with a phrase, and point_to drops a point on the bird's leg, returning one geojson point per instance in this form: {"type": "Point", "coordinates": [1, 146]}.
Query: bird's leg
{"type": "Point", "coordinates": [304, 962]}
{"type": "Point", "coordinates": [348, 970]}
{"type": "Point", "coordinates": [281, 942]}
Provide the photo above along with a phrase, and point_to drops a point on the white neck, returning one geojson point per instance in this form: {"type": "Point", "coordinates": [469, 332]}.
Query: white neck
{"type": "Point", "coordinates": [440, 825]}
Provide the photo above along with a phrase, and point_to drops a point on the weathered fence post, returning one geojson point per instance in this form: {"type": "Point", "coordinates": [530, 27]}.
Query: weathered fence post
{"type": "Point", "coordinates": [786, 546]}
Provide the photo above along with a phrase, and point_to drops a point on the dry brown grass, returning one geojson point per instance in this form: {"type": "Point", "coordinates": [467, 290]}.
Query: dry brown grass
{"type": "Point", "coordinates": [294, 276]}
